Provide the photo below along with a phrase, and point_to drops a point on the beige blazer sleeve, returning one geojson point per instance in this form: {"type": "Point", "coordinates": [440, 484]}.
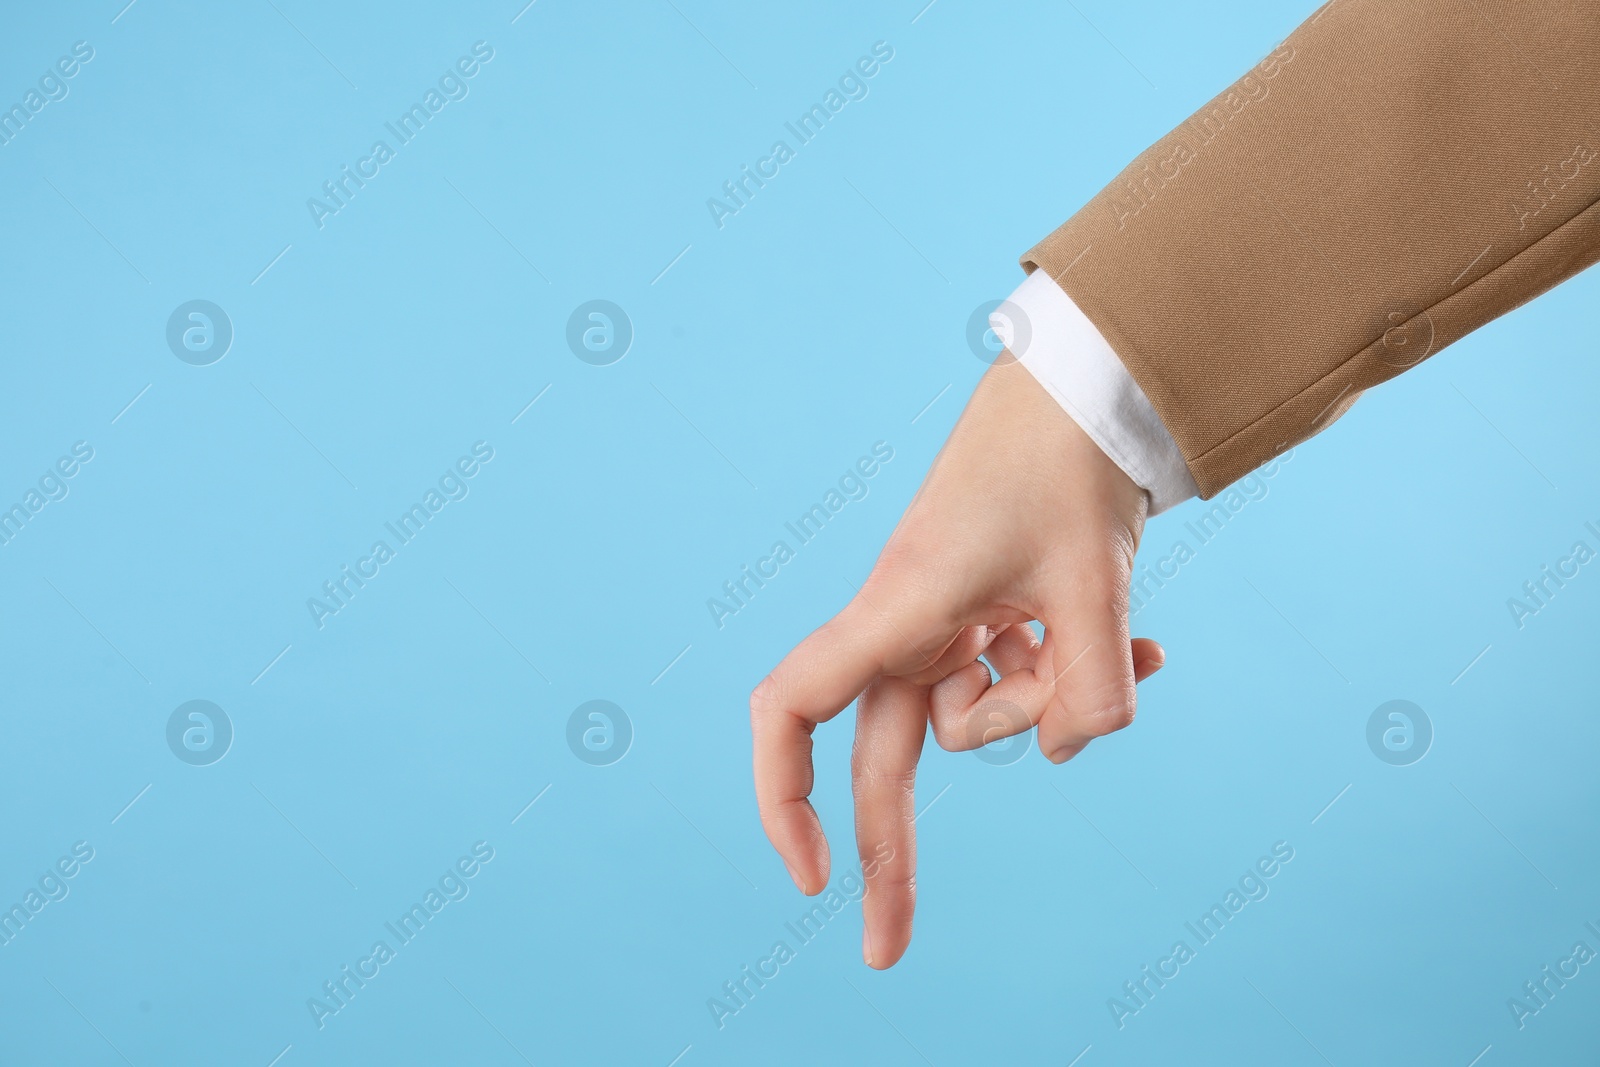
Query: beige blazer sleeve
{"type": "Point", "coordinates": [1391, 177]}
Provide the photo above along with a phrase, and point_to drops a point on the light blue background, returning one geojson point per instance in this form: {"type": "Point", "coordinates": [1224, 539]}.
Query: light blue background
{"type": "Point", "coordinates": [819, 320]}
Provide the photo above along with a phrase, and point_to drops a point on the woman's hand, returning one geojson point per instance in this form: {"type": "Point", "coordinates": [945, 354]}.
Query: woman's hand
{"type": "Point", "coordinates": [1022, 517]}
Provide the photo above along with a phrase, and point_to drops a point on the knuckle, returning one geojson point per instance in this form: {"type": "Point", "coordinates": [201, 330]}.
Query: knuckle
{"type": "Point", "coordinates": [896, 883]}
{"type": "Point", "coordinates": [1093, 713]}
{"type": "Point", "coordinates": [1112, 713]}
{"type": "Point", "coordinates": [870, 776]}
{"type": "Point", "coordinates": [764, 700]}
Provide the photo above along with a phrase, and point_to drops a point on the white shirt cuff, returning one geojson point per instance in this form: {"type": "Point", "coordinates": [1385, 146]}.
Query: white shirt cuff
{"type": "Point", "coordinates": [1061, 348]}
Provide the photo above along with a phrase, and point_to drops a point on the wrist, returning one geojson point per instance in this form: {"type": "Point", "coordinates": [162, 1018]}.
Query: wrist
{"type": "Point", "coordinates": [1072, 360]}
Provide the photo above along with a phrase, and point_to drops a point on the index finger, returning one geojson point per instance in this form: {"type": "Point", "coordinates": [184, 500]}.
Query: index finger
{"type": "Point", "coordinates": [815, 682]}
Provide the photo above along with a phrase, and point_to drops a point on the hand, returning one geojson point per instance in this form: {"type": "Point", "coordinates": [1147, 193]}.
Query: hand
{"type": "Point", "coordinates": [1022, 517]}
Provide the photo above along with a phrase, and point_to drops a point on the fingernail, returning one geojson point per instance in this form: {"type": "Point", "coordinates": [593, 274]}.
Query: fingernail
{"type": "Point", "coordinates": [866, 945]}
{"type": "Point", "coordinates": [1060, 755]}
{"type": "Point", "coordinates": [795, 878]}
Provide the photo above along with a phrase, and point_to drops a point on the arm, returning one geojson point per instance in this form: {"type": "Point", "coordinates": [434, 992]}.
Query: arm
{"type": "Point", "coordinates": [1388, 179]}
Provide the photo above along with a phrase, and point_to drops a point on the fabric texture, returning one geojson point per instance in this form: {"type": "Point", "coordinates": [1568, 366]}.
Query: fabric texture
{"type": "Point", "coordinates": [1388, 179]}
{"type": "Point", "coordinates": [1047, 333]}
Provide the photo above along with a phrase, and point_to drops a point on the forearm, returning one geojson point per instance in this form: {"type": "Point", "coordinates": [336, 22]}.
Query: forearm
{"type": "Point", "coordinates": [1388, 179]}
